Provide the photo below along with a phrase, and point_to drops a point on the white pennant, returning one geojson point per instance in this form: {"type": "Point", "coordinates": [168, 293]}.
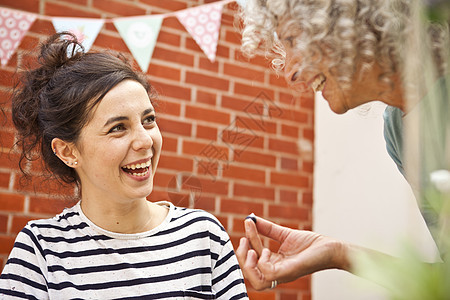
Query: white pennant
{"type": "Point", "coordinates": [86, 30]}
{"type": "Point", "coordinates": [140, 35]}
{"type": "Point", "coordinates": [203, 23]}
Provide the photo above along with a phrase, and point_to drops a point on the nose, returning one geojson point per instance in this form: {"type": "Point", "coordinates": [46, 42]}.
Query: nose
{"type": "Point", "coordinates": [142, 139]}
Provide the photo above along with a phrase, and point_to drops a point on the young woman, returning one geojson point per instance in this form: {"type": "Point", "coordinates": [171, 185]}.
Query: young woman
{"type": "Point", "coordinates": [90, 117]}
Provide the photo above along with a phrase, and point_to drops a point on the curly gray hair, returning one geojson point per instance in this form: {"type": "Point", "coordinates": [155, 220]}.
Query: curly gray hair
{"type": "Point", "coordinates": [343, 31]}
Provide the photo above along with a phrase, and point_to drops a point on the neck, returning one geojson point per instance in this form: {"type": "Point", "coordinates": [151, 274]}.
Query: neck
{"type": "Point", "coordinates": [132, 216]}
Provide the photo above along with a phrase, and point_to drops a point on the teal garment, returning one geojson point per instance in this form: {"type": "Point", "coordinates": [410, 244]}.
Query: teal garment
{"type": "Point", "coordinates": [393, 134]}
{"type": "Point", "coordinates": [432, 113]}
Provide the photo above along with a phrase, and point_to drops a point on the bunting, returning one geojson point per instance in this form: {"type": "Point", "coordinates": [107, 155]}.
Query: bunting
{"type": "Point", "coordinates": [139, 33]}
{"type": "Point", "coordinates": [13, 27]}
{"type": "Point", "coordinates": [203, 23]}
{"type": "Point", "coordinates": [86, 30]}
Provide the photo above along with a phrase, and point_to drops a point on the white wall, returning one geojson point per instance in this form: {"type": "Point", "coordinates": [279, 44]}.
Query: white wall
{"type": "Point", "coordinates": [360, 196]}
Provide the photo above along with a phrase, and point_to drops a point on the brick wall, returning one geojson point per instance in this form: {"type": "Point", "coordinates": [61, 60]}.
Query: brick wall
{"type": "Point", "coordinates": [236, 140]}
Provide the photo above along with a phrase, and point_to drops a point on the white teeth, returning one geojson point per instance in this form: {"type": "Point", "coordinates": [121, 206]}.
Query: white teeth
{"type": "Point", "coordinates": [318, 83]}
{"type": "Point", "coordinates": [140, 174]}
{"type": "Point", "coordinates": [138, 166]}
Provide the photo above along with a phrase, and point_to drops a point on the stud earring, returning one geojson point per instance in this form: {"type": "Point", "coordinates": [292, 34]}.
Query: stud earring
{"type": "Point", "coordinates": [54, 151]}
{"type": "Point", "coordinates": [76, 163]}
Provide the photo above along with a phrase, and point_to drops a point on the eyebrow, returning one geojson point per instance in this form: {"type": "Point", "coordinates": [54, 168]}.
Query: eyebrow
{"type": "Point", "coordinates": [122, 118]}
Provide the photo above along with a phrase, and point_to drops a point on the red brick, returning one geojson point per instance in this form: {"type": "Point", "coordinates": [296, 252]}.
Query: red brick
{"type": "Point", "coordinates": [169, 144]}
{"type": "Point", "coordinates": [308, 134]}
{"type": "Point", "coordinates": [42, 26]}
{"type": "Point", "coordinates": [262, 295]}
{"type": "Point", "coordinates": [291, 131]}
{"type": "Point", "coordinates": [171, 90]}
{"type": "Point", "coordinates": [19, 222]}
{"type": "Point", "coordinates": [223, 51]}
{"type": "Point", "coordinates": [257, 158]}
{"type": "Point", "coordinates": [206, 114]}
{"type": "Point", "coordinates": [168, 107]}
{"type": "Point", "coordinates": [235, 103]}
{"type": "Point", "coordinates": [206, 132]}
{"type": "Point", "coordinates": [206, 203]}
{"type": "Point", "coordinates": [3, 223]}
{"type": "Point", "coordinates": [238, 139]}
{"type": "Point", "coordinates": [254, 191]}
{"type": "Point", "coordinates": [205, 97]}
{"type": "Point", "coordinates": [6, 244]}
{"type": "Point", "coordinates": [308, 166]}
{"type": "Point", "coordinates": [288, 212]}
{"type": "Point", "coordinates": [29, 42]}
{"type": "Point", "coordinates": [11, 202]}
{"type": "Point", "coordinates": [206, 64]}
{"type": "Point", "coordinates": [6, 138]}
{"type": "Point", "coordinates": [288, 197]}
{"type": "Point", "coordinates": [233, 37]}
{"type": "Point", "coordinates": [4, 179]}
{"type": "Point", "coordinates": [243, 72]}
{"type": "Point", "coordinates": [211, 151]}
{"type": "Point", "coordinates": [166, 4]}
{"type": "Point", "coordinates": [40, 184]}
{"type": "Point", "coordinates": [288, 296]}
{"type": "Point", "coordinates": [172, 126]}
{"type": "Point", "coordinates": [243, 208]}
{"type": "Point", "coordinates": [307, 198]}
{"type": "Point", "coordinates": [251, 90]}
{"type": "Point", "coordinates": [173, 56]}
{"type": "Point", "coordinates": [216, 187]}
{"type": "Point", "coordinates": [6, 77]}
{"type": "Point", "coordinates": [207, 81]}
{"type": "Point", "coordinates": [169, 38]}
{"type": "Point", "coordinates": [9, 160]}
{"type": "Point", "coordinates": [244, 174]}
{"type": "Point", "coordinates": [257, 60]}
{"type": "Point", "coordinates": [120, 8]}
{"type": "Point", "coordinates": [49, 206]}
{"type": "Point", "coordinates": [111, 42]}
{"type": "Point", "coordinates": [284, 179]}
{"type": "Point", "coordinates": [256, 123]}
{"type": "Point", "coordinates": [172, 22]}
{"type": "Point", "coordinates": [175, 163]}
{"type": "Point", "coordinates": [289, 164]}
{"type": "Point", "coordinates": [26, 5]}
{"type": "Point", "coordinates": [164, 71]}
{"type": "Point", "coordinates": [68, 10]}
{"type": "Point", "coordinates": [162, 178]}
{"type": "Point", "coordinates": [307, 101]}
{"type": "Point", "coordinates": [283, 146]}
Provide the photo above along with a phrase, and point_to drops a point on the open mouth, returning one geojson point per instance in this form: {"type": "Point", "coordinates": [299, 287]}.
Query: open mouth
{"type": "Point", "coordinates": [141, 169]}
{"type": "Point", "coordinates": [318, 82]}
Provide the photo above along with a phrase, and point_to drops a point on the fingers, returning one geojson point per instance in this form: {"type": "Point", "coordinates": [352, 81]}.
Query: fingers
{"type": "Point", "coordinates": [248, 260]}
{"type": "Point", "coordinates": [271, 230]}
{"type": "Point", "coordinates": [253, 237]}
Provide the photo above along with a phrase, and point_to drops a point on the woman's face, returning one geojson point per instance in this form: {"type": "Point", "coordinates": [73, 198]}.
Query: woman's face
{"type": "Point", "coordinates": [119, 148]}
{"type": "Point", "coordinates": [319, 78]}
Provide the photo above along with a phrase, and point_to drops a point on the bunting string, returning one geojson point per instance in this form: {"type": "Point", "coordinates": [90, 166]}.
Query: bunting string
{"type": "Point", "coordinates": [139, 33]}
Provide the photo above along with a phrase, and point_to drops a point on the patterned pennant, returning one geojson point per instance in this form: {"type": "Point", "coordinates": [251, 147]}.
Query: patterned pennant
{"type": "Point", "coordinates": [13, 27]}
{"type": "Point", "coordinates": [140, 35]}
{"type": "Point", "coordinates": [86, 30]}
{"type": "Point", "coordinates": [203, 23]}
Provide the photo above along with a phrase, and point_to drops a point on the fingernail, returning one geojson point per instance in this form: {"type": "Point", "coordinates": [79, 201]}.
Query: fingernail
{"type": "Point", "coordinates": [251, 217]}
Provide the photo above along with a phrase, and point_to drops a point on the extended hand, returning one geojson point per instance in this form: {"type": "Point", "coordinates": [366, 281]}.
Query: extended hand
{"type": "Point", "coordinates": [301, 253]}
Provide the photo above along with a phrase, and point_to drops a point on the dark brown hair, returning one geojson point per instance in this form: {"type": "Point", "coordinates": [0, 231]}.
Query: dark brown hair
{"type": "Point", "coordinates": [54, 100]}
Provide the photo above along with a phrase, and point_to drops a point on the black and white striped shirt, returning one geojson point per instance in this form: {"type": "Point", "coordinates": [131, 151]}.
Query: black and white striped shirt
{"type": "Point", "coordinates": [188, 256]}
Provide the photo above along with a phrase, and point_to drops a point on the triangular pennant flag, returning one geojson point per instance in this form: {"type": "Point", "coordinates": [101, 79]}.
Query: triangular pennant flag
{"type": "Point", "coordinates": [203, 23]}
{"type": "Point", "coordinates": [86, 30]}
{"type": "Point", "coordinates": [140, 35]}
{"type": "Point", "coordinates": [13, 27]}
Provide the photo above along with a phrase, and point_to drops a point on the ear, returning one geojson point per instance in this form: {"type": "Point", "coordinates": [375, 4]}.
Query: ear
{"type": "Point", "coordinates": [65, 151]}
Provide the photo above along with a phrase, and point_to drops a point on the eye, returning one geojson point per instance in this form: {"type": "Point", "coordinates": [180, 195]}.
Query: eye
{"type": "Point", "coordinates": [117, 128]}
{"type": "Point", "coordinates": [149, 120]}
{"type": "Point", "coordinates": [289, 40]}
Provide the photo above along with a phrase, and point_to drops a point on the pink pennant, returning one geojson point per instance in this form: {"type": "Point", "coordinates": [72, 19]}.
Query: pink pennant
{"type": "Point", "coordinates": [13, 27]}
{"type": "Point", "coordinates": [203, 23]}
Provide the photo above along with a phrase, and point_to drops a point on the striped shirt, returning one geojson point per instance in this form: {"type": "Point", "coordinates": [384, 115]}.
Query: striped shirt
{"type": "Point", "coordinates": [188, 256]}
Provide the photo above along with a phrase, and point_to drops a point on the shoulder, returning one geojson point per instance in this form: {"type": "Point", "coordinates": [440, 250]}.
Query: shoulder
{"type": "Point", "coordinates": [191, 215]}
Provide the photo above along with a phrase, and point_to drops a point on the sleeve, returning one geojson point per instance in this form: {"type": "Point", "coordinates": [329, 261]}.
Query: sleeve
{"type": "Point", "coordinates": [393, 135]}
{"type": "Point", "coordinates": [22, 277]}
{"type": "Point", "coordinates": [227, 279]}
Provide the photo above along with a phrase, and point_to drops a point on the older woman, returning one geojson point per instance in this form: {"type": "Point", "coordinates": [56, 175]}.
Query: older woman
{"type": "Point", "coordinates": [90, 117]}
{"type": "Point", "coordinates": [353, 52]}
